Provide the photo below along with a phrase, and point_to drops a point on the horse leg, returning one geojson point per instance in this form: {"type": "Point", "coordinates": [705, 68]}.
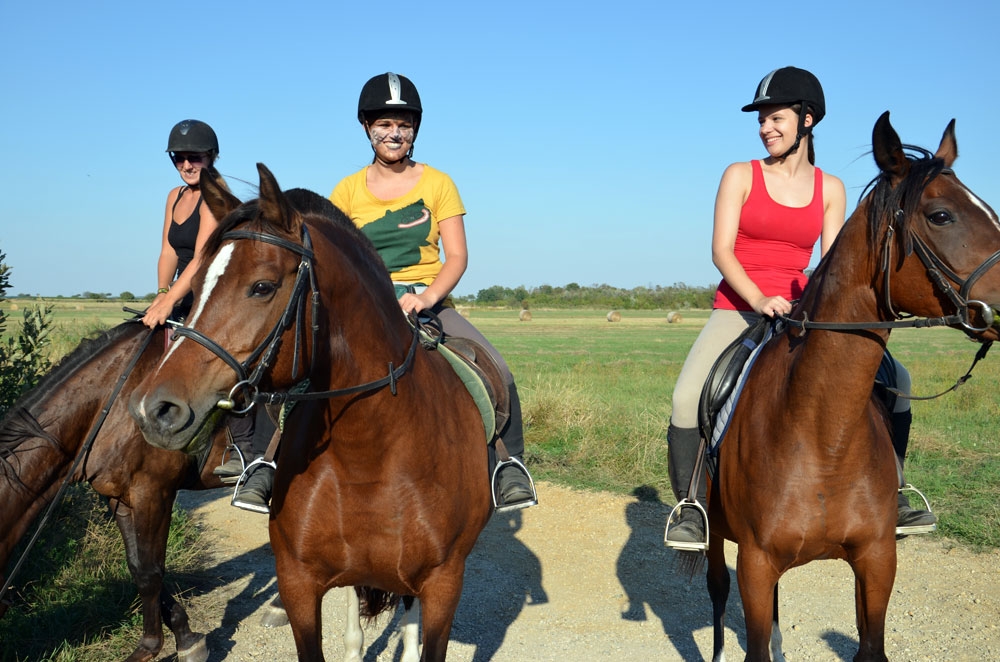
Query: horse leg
{"type": "Point", "coordinates": [874, 574]}
{"type": "Point", "coordinates": [438, 602]}
{"type": "Point", "coordinates": [354, 636]}
{"type": "Point", "coordinates": [777, 655]}
{"type": "Point", "coordinates": [144, 531]}
{"type": "Point", "coordinates": [718, 589]}
{"type": "Point", "coordinates": [300, 593]}
{"type": "Point", "coordinates": [410, 631]}
{"type": "Point", "coordinates": [757, 579]}
{"type": "Point", "coordinates": [274, 616]}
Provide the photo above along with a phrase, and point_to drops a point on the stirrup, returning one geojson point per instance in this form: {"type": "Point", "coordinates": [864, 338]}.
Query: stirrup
{"type": "Point", "coordinates": [247, 472]}
{"type": "Point", "coordinates": [698, 546]}
{"type": "Point", "coordinates": [495, 487]}
{"type": "Point", "coordinates": [923, 528]}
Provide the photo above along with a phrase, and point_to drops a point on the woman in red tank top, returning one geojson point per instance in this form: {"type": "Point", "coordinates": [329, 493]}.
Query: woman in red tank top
{"type": "Point", "coordinates": [769, 214]}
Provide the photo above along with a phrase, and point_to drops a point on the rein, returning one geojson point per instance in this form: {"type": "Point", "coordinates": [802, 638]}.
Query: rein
{"type": "Point", "coordinates": [84, 451]}
{"type": "Point", "coordinates": [268, 349]}
{"type": "Point", "coordinates": [941, 277]}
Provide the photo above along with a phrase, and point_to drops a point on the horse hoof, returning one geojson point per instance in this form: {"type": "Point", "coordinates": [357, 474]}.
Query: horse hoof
{"type": "Point", "coordinates": [196, 653]}
{"type": "Point", "coordinates": [274, 617]}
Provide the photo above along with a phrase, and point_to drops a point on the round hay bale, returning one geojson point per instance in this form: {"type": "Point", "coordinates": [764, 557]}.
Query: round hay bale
{"type": "Point", "coordinates": [13, 306]}
{"type": "Point", "coordinates": [78, 307]}
{"type": "Point", "coordinates": [524, 316]}
{"type": "Point", "coordinates": [614, 316]}
{"type": "Point", "coordinates": [673, 317]}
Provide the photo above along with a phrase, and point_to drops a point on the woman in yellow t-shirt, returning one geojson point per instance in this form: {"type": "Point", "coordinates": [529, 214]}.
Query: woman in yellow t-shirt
{"type": "Point", "coordinates": [412, 213]}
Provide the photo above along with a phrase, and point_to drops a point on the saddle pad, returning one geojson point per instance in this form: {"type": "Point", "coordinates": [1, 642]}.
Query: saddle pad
{"type": "Point", "coordinates": [476, 389]}
{"type": "Point", "coordinates": [726, 412]}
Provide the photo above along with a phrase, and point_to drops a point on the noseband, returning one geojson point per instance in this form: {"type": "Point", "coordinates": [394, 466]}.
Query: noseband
{"type": "Point", "coordinates": [294, 313]}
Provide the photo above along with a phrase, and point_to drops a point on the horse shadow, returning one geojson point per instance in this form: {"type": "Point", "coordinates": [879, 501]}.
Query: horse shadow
{"type": "Point", "coordinates": [501, 571]}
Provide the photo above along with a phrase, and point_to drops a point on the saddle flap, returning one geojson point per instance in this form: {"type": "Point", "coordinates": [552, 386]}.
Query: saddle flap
{"type": "Point", "coordinates": [475, 357]}
{"type": "Point", "coordinates": [725, 373]}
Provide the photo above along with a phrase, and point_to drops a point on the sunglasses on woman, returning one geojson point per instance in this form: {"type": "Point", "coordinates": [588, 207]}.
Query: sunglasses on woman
{"type": "Point", "coordinates": [194, 158]}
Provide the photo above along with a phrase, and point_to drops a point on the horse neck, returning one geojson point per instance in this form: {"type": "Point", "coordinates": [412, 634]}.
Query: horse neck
{"type": "Point", "coordinates": [842, 290]}
{"type": "Point", "coordinates": [38, 444]}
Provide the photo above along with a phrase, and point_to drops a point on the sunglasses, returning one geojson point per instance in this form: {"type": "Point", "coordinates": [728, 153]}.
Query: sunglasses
{"type": "Point", "coordinates": [194, 158]}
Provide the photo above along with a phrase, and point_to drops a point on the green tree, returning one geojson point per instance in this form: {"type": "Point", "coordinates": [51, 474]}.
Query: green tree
{"type": "Point", "coordinates": [126, 296]}
{"type": "Point", "coordinates": [23, 359]}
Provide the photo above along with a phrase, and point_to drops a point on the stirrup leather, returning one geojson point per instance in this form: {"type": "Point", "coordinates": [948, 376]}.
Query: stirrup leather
{"type": "Point", "coordinates": [674, 517]}
{"type": "Point", "coordinates": [495, 487]}
{"type": "Point", "coordinates": [922, 528]}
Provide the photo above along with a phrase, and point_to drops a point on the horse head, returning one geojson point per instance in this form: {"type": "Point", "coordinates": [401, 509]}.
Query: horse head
{"type": "Point", "coordinates": [253, 321]}
{"type": "Point", "coordinates": [938, 241]}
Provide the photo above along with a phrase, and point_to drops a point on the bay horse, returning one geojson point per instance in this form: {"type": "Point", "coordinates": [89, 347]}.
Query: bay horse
{"type": "Point", "coordinates": [806, 470]}
{"type": "Point", "coordinates": [382, 477]}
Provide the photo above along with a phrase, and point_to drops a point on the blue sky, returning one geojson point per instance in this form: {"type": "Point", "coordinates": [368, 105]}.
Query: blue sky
{"type": "Point", "coordinates": [587, 139]}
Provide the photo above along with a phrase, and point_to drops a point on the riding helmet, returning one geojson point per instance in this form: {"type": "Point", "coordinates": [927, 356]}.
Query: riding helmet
{"type": "Point", "coordinates": [192, 136]}
{"type": "Point", "coordinates": [790, 85]}
{"type": "Point", "coordinates": [387, 92]}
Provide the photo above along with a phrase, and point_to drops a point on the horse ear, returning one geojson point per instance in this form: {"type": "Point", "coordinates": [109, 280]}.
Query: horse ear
{"type": "Point", "coordinates": [273, 205]}
{"type": "Point", "coordinates": [218, 198]}
{"type": "Point", "coordinates": [888, 149]}
{"type": "Point", "coordinates": [948, 149]}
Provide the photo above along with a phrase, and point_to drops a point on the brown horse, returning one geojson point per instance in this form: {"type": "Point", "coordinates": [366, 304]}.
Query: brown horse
{"type": "Point", "coordinates": [806, 470]}
{"type": "Point", "coordinates": [43, 433]}
{"type": "Point", "coordinates": [382, 476]}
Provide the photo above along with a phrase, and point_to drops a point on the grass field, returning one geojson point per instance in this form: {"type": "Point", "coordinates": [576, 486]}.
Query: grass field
{"type": "Point", "coordinates": [596, 399]}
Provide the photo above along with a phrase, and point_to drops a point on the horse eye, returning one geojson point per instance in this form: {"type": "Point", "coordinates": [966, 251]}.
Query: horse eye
{"type": "Point", "coordinates": [262, 289]}
{"type": "Point", "coordinates": [940, 218]}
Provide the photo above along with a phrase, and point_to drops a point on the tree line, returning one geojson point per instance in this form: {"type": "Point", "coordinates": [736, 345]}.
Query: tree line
{"type": "Point", "coordinates": [574, 295]}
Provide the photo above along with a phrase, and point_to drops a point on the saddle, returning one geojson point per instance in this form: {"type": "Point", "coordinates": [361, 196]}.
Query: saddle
{"type": "Point", "coordinates": [725, 374]}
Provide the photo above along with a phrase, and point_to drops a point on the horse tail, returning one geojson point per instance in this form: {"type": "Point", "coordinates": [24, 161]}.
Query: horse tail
{"type": "Point", "coordinates": [690, 563]}
{"type": "Point", "coordinates": [374, 601]}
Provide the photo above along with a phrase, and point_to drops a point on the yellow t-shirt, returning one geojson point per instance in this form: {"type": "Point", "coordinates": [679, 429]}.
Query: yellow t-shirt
{"type": "Point", "coordinates": [404, 230]}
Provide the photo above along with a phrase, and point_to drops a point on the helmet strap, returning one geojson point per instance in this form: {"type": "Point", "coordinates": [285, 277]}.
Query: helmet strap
{"type": "Point", "coordinates": [801, 132]}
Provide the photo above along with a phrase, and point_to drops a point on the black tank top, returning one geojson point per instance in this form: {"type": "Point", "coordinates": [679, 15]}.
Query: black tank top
{"type": "Point", "coordinates": [183, 237]}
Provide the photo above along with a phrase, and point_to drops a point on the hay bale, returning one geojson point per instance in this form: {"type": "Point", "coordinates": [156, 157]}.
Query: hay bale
{"type": "Point", "coordinates": [673, 317]}
{"type": "Point", "coordinates": [524, 315]}
{"type": "Point", "coordinates": [614, 316]}
{"type": "Point", "coordinates": [13, 306]}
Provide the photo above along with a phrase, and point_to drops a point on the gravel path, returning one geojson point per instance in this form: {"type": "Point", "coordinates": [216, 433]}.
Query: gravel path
{"type": "Point", "coordinates": [585, 576]}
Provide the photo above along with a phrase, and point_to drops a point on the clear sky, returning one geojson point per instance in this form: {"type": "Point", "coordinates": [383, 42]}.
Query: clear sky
{"type": "Point", "coordinates": [587, 138]}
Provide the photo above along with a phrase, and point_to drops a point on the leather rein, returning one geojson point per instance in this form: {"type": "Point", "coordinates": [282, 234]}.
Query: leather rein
{"type": "Point", "coordinates": [942, 277]}
{"type": "Point", "coordinates": [251, 371]}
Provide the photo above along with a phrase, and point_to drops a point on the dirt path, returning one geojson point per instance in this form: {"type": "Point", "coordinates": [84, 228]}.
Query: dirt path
{"type": "Point", "coordinates": [585, 576]}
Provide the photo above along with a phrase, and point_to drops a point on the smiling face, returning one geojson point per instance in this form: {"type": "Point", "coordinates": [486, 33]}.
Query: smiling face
{"type": "Point", "coordinates": [189, 165]}
{"type": "Point", "coordinates": [778, 128]}
{"type": "Point", "coordinates": [392, 136]}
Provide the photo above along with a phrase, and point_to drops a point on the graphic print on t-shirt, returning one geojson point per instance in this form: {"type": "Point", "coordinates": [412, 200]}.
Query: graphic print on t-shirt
{"type": "Point", "coordinates": [400, 234]}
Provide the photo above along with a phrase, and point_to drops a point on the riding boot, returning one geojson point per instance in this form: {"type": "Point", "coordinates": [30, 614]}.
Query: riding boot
{"type": "Point", "coordinates": [516, 487]}
{"type": "Point", "coordinates": [682, 448]}
{"type": "Point", "coordinates": [255, 493]}
{"type": "Point", "coordinates": [909, 521]}
{"type": "Point", "coordinates": [241, 451]}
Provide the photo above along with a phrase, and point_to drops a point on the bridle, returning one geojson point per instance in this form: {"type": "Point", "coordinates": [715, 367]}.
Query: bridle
{"type": "Point", "coordinates": [941, 277]}
{"type": "Point", "coordinates": [251, 371]}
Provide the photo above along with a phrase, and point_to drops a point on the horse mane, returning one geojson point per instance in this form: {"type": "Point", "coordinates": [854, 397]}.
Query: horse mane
{"type": "Point", "coordinates": [313, 207]}
{"type": "Point", "coordinates": [886, 199]}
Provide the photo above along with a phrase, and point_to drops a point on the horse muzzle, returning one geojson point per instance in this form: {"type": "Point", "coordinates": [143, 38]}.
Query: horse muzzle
{"type": "Point", "coordinates": [171, 423]}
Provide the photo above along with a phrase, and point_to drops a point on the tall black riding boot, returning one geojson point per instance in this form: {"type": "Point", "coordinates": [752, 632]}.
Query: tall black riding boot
{"type": "Point", "coordinates": [908, 520]}
{"type": "Point", "coordinates": [687, 530]}
{"type": "Point", "coordinates": [241, 447]}
{"type": "Point", "coordinates": [516, 490]}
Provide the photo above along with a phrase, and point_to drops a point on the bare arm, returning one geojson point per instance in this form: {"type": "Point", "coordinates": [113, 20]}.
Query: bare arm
{"type": "Point", "coordinates": [834, 208]}
{"type": "Point", "coordinates": [164, 304]}
{"type": "Point", "coordinates": [456, 259]}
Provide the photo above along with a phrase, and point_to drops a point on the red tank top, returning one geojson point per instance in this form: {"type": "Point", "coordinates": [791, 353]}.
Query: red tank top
{"type": "Point", "coordinates": [774, 243]}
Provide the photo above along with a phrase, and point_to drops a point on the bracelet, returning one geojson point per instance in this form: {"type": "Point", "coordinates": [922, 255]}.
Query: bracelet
{"type": "Point", "coordinates": [163, 290]}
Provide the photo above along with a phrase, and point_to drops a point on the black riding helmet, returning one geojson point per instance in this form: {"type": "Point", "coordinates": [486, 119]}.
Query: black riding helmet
{"type": "Point", "coordinates": [788, 86]}
{"type": "Point", "coordinates": [193, 136]}
{"type": "Point", "coordinates": [386, 93]}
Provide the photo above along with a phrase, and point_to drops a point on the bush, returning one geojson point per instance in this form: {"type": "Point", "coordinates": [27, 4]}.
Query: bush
{"type": "Point", "coordinates": [23, 359]}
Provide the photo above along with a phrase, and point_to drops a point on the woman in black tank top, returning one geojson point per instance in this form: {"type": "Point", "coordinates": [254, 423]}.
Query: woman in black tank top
{"type": "Point", "coordinates": [187, 224]}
